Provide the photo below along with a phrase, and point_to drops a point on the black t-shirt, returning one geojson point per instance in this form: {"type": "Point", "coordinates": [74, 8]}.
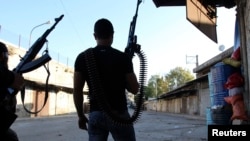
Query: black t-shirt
{"type": "Point", "coordinates": [112, 66]}
{"type": "Point", "coordinates": [6, 79]}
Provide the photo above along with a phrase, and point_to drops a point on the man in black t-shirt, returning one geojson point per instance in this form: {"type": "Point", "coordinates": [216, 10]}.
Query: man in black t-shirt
{"type": "Point", "coordinates": [116, 75]}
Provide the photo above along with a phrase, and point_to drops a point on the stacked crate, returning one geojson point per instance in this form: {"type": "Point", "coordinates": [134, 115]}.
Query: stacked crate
{"type": "Point", "coordinates": [219, 74]}
{"type": "Point", "coordinates": [219, 111]}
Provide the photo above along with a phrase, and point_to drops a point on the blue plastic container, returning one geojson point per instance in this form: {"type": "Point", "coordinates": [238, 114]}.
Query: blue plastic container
{"type": "Point", "coordinates": [209, 78]}
{"type": "Point", "coordinates": [217, 99]}
{"type": "Point", "coordinates": [217, 78]}
{"type": "Point", "coordinates": [218, 87]}
{"type": "Point", "coordinates": [221, 71]}
{"type": "Point", "coordinates": [209, 116]}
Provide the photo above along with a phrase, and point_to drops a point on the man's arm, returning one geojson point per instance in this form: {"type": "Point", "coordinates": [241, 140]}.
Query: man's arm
{"type": "Point", "coordinates": [132, 83]}
{"type": "Point", "coordinates": [10, 79]}
{"type": "Point", "coordinates": [79, 82]}
{"type": "Point", "coordinates": [18, 82]}
{"type": "Point", "coordinates": [78, 93]}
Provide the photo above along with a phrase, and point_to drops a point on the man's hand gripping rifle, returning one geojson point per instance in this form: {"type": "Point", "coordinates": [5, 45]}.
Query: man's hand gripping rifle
{"type": "Point", "coordinates": [27, 62]}
{"type": "Point", "coordinates": [132, 45]}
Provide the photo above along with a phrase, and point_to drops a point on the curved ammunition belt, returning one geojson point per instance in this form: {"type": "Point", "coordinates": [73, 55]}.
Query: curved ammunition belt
{"type": "Point", "coordinates": [99, 92]}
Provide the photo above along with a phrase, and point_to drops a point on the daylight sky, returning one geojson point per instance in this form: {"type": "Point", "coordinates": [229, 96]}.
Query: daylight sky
{"type": "Point", "coordinates": [164, 33]}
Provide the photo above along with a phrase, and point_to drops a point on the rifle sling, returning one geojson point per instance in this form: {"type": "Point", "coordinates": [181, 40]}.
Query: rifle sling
{"type": "Point", "coordinates": [45, 98]}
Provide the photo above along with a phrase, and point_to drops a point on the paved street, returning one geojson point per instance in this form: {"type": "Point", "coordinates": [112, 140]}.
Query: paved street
{"type": "Point", "coordinates": [152, 126]}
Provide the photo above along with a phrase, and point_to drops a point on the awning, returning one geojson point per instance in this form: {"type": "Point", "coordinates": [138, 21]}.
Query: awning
{"type": "Point", "coordinates": [216, 3]}
{"type": "Point", "coordinates": [159, 3]}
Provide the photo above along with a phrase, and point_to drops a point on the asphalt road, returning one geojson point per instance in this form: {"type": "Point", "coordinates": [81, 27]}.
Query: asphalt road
{"type": "Point", "coordinates": [152, 126]}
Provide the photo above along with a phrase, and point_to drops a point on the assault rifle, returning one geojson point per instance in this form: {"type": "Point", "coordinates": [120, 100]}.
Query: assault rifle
{"type": "Point", "coordinates": [29, 63]}
{"type": "Point", "coordinates": [132, 45]}
{"type": "Point", "coordinates": [132, 48]}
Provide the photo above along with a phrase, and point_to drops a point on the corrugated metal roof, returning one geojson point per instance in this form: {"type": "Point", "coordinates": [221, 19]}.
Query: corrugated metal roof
{"type": "Point", "coordinates": [187, 88]}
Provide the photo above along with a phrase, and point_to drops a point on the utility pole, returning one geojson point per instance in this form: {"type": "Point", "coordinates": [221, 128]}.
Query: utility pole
{"type": "Point", "coordinates": [189, 60]}
{"type": "Point", "coordinates": [156, 92]}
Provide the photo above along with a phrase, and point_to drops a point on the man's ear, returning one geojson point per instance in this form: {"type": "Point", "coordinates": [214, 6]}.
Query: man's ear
{"type": "Point", "coordinates": [95, 35]}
